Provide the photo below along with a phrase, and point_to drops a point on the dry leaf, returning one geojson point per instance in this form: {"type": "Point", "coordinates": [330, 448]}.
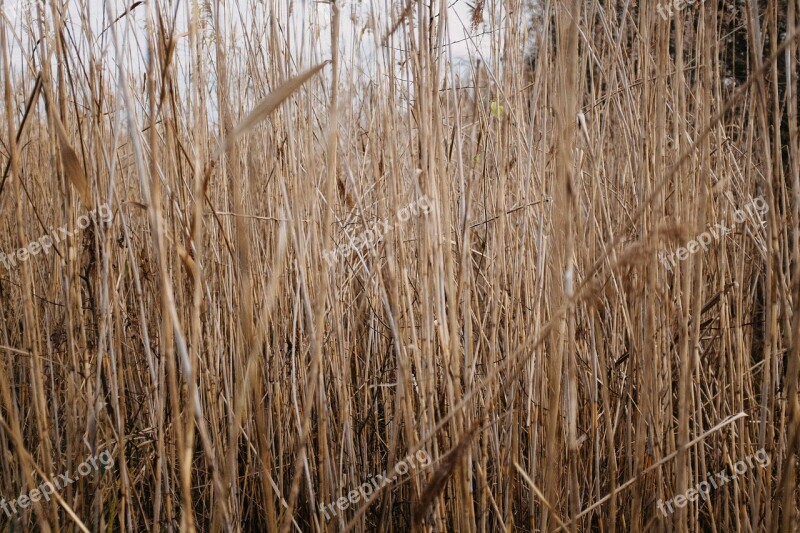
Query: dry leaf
{"type": "Point", "coordinates": [188, 261]}
{"type": "Point", "coordinates": [442, 475]}
{"type": "Point", "coordinates": [269, 104]}
{"type": "Point", "coordinates": [136, 204]}
{"type": "Point", "coordinates": [407, 12]}
{"type": "Point", "coordinates": [72, 166]}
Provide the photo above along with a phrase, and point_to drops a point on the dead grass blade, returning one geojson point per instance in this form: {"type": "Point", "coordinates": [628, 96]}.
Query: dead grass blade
{"type": "Point", "coordinates": [72, 165]}
{"type": "Point", "coordinates": [665, 459]}
{"type": "Point", "coordinates": [541, 496]}
{"type": "Point", "coordinates": [269, 104]}
{"type": "Point", "coordinates": [407, 12]}
{"type": "Point", "coordinates": [441, 476]}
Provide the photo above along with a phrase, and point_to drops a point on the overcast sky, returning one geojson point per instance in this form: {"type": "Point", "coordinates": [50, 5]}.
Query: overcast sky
{"type": "Point", "coordinates": [297, 17]}
{"type": "Point", "coordinates": [302, 22]}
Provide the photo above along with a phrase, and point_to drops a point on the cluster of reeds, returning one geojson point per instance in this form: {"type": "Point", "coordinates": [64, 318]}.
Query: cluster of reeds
{"type": "Point", "coordinates": [523, 333]}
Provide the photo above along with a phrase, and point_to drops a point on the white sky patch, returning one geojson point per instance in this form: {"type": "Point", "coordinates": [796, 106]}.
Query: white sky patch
{"type": "Point", "coordinates": [305, 23]}
{"type": "Point", "coordinates": [302, 27]}
{"type": "Point", "coordinates": [362, 20]}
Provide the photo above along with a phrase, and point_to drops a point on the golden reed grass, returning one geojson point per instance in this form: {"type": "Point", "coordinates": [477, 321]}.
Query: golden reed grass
{"type": "Point", "coordinates": [524, 333]}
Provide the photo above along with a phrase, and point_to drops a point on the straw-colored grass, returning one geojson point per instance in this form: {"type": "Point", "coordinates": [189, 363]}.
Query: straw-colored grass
{"type": "Point", "coordinates": [517, 325]}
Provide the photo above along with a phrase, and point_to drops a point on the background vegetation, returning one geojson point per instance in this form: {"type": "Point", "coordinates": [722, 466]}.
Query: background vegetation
{"type": "Point", "coordinates": [524, 334]}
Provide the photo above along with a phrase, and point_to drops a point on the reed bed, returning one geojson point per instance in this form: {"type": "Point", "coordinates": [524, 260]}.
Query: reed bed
{"type": "Point", "coordinates": [206, 312]}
